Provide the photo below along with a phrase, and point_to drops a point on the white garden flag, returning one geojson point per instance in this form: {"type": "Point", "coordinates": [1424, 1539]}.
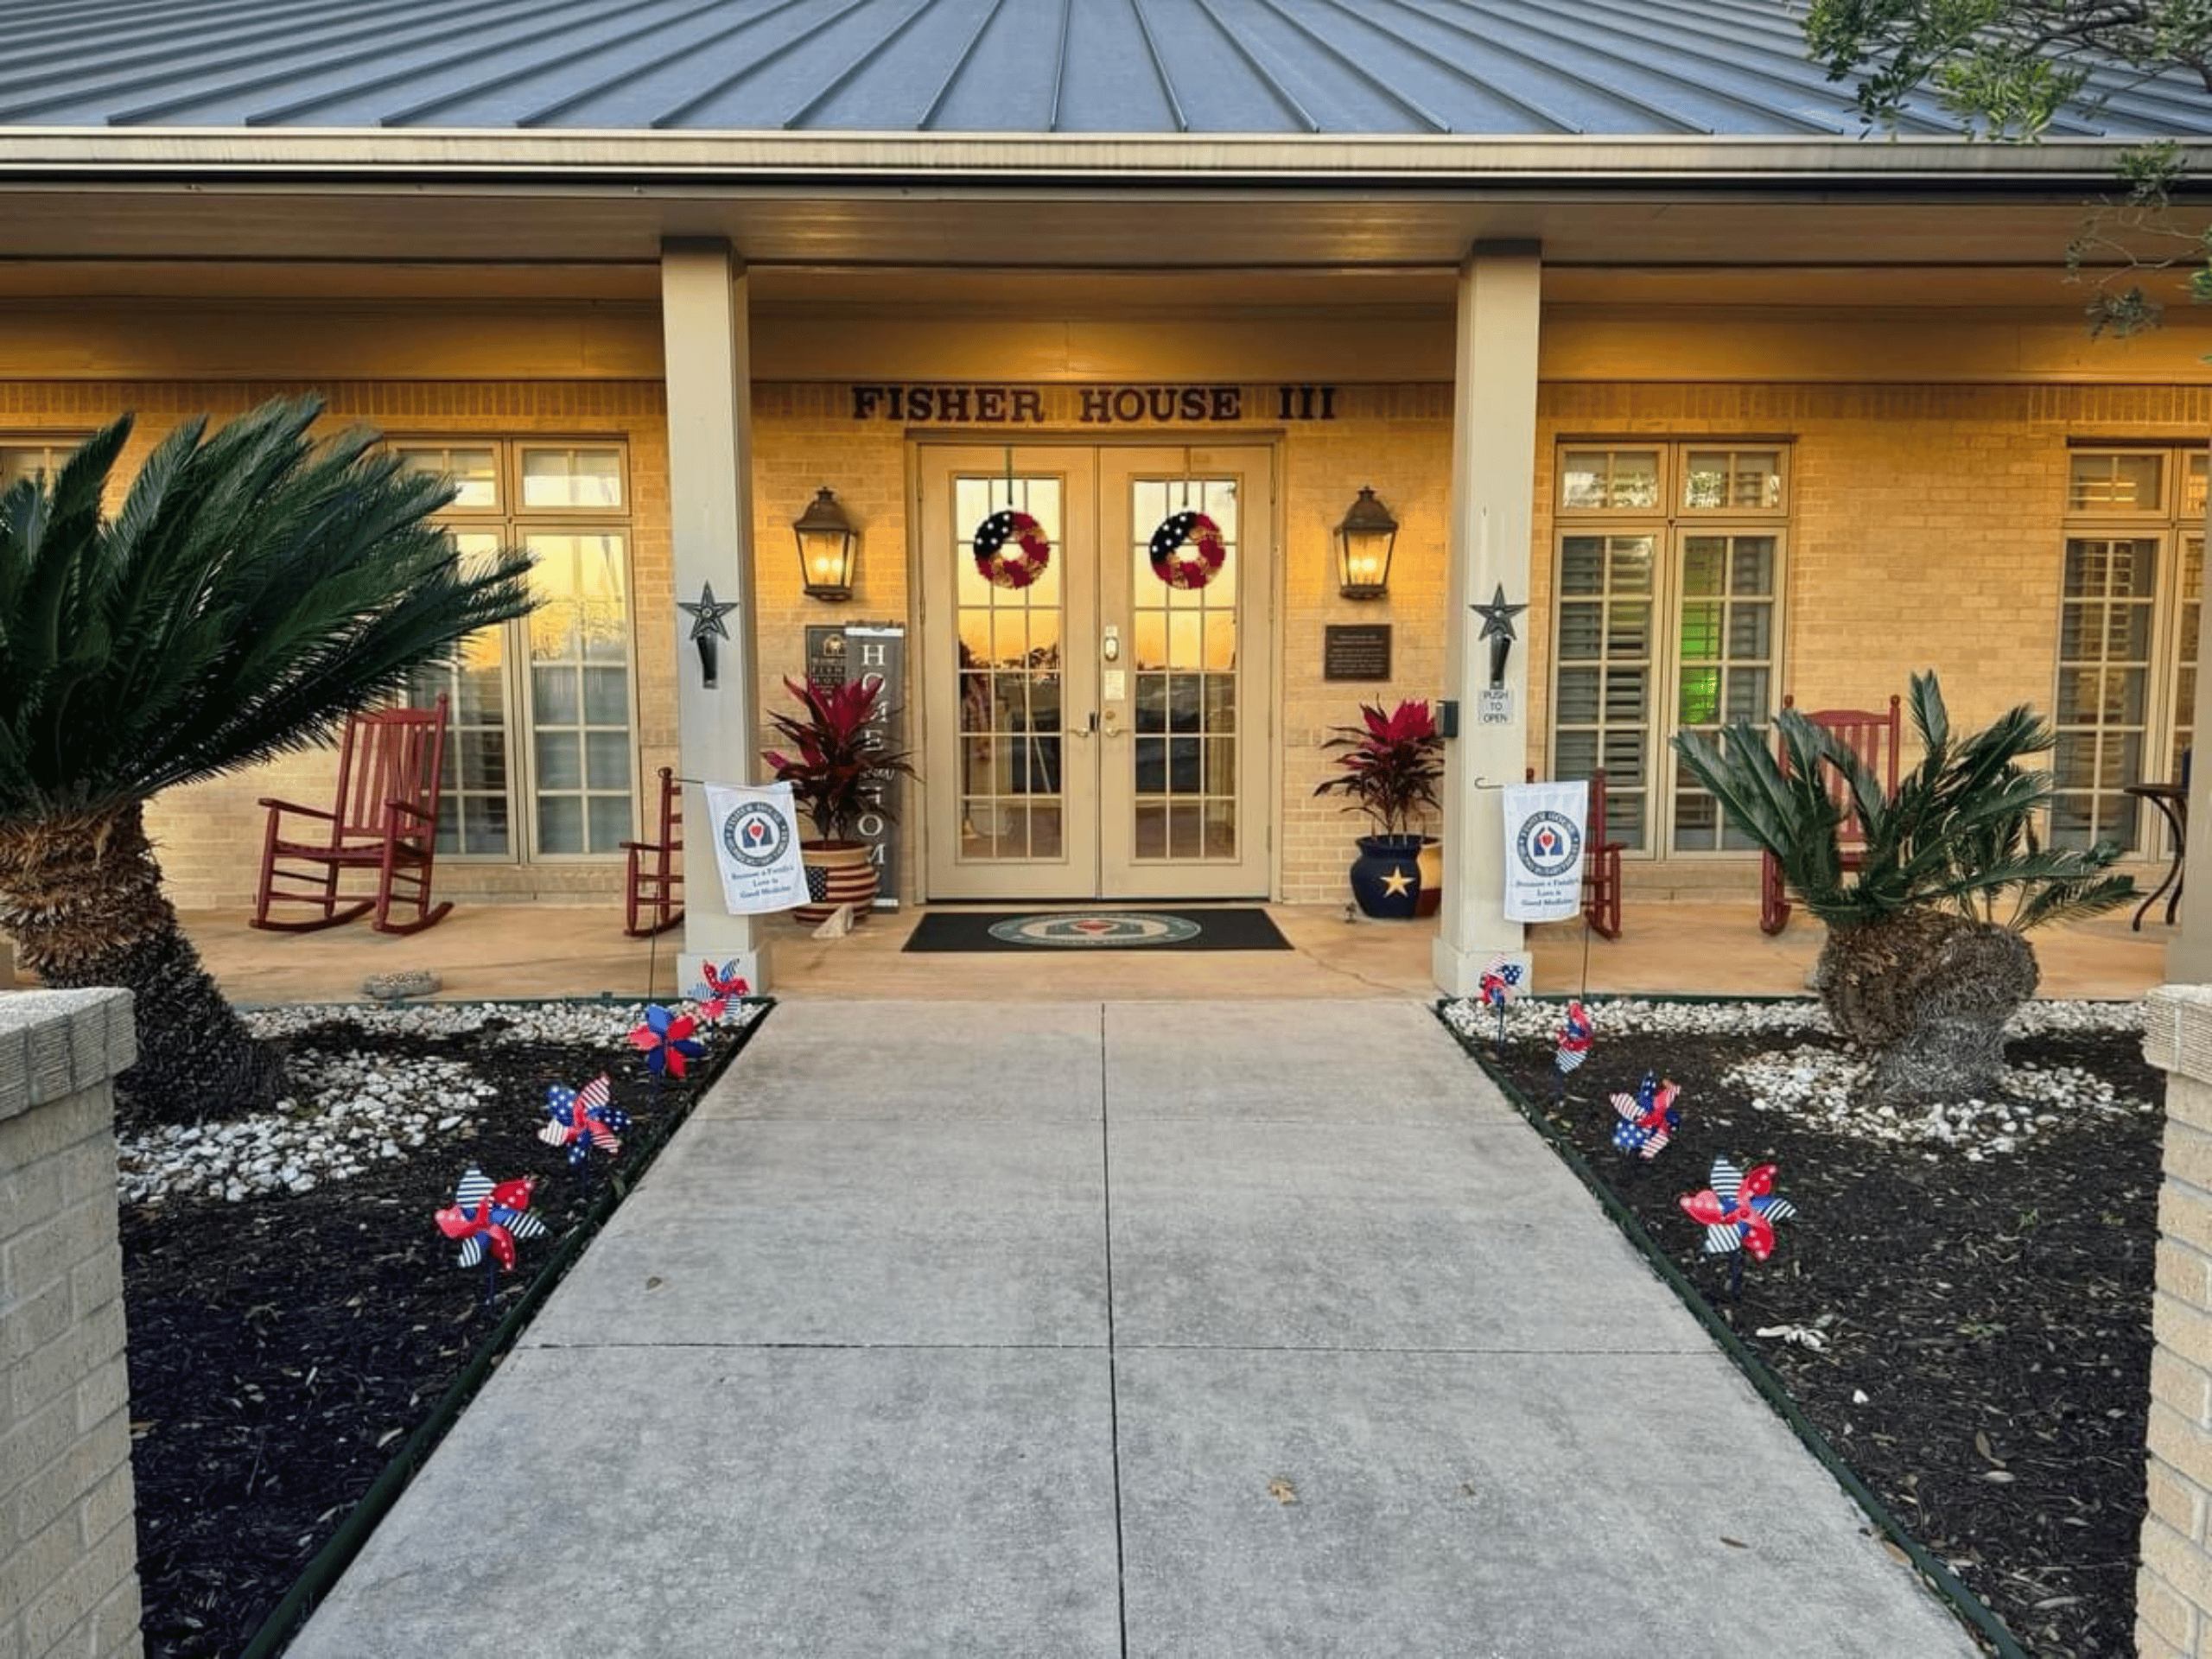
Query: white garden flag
{"type": "Point", "coordinates": [1543, 850]}
{"type": "Point", "coordinates": [756, 847]}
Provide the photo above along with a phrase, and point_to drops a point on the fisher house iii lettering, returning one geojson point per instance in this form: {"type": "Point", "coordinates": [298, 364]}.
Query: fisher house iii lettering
{"type": "Point", "coordinates": [1093, 405]}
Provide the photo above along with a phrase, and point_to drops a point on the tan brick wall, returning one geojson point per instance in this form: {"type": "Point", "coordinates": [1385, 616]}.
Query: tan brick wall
{"type": "Point", "coordinates": [2173, 1590]}
{"type": "Point", "coordinates": [1925, 531]}
{"type": "Point", "coordinates": [68, 1549]}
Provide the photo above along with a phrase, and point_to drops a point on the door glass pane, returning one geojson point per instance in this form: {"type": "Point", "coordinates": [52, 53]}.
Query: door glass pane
{"type": "Point", "coordinates": [1724, 634]}
{"type": "Point", "coordinates": [2192, 590]}
{"type": "Point", "coordinates": [473, 814]}
{"type": "Point", "coordinates": [1011, 720]}
{"type": "Point", "coordinates": [1601, 679]}
{"type": "Point", "coordinates": [1182, 755]}
{"type": "Point", "coordinates": [2104, 678]}
{"type": "Point", "coordinates": [580, 693]}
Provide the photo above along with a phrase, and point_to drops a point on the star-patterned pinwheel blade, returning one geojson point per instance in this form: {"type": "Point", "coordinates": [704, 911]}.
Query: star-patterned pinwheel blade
{"type": "Point", "coordinates": [484, 1216]}
{"type": "Point", "coordinates": [1649, 1118]}
{"type": "Point", "coordinates": [1738, 1210]}
{"type": "Point", "coordinates": [1500, 982]}
{"type": "Point", "coordinates": [1576, 1037]}
{"type": "Point", "coordinates": [582, 1120]}
{"type": "Point", "coordinates": [667, 1040]}
{"type": "Point", "coordinates": [717, 988]}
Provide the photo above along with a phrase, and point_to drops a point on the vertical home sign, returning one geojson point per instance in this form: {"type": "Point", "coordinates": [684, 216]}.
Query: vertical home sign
{"type": "Point", "coordinates": [879, 653]}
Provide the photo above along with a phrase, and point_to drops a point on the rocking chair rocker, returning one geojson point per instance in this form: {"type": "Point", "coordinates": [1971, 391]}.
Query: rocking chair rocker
{"type": "Point", "coordinates": [382, 820]}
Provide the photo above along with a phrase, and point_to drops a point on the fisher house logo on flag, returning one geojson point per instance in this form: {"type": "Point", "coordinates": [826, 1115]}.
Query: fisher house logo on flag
{"type": "Point", "coordinates": [756, 848]}
{"type": "Point", "coordinates": [1543, 850]}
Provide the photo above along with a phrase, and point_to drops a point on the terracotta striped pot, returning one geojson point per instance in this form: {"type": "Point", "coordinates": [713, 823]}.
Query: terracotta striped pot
{"type": "Point", "coordinates": [837, 872]}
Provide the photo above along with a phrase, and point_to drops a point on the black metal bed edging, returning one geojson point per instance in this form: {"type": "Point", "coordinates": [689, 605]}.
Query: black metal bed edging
{"type": "Point", "coordinates": [1945, 1583]}
{"type": "Point", "coordinates": [324, 1569]}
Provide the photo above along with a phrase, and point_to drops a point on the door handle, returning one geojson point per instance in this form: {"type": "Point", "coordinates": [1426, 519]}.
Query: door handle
{"type": "Point", "coordinates": [1087, 729]}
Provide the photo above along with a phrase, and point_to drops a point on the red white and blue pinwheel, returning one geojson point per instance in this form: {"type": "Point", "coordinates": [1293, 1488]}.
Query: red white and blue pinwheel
{"type": "Point", "coordinates": [716, 989]}
{"type": "Point", "coordinates": [483, 1218]}
{"type": "Point", "coordinates": [582, 1121]}
{"type": "Point", "coordinates": [1649, 1118]}
{"type": "Point", "coordinates": [1500, 982]}
{"type": "Point", "coordinates": [1738, 1210]}
{"type": "Point", "coordinates": [1574, 1039]}
{"type": "Point", "coordinates": [667, 1040]}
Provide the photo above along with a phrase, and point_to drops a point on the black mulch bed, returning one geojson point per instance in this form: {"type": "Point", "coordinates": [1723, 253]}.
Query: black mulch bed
{"type": "Point", "coordinates": [1987, 1324]}
{"type": "Point", "coordinates": [283, 1348]}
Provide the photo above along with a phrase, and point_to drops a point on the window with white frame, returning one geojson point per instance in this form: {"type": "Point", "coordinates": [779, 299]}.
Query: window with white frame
{"type": "Point", "coordinates": [2126, 636]}
{"type": "Point", "coordinates": [1669, 578]}
{"type": "Point", "coordinates": [540, 759]}
{"type": "Point", "coordinates": [34, 457]}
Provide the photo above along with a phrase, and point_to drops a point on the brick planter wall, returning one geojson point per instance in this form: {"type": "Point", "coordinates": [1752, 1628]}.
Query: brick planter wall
{"type": "Point", "coordinates": [68, 1546]}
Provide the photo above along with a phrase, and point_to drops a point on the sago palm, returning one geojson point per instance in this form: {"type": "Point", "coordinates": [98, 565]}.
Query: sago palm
{"type": "Point", "coordinates": [252, 587]}
{"type": "Point", "coordinates": [1924, 961]}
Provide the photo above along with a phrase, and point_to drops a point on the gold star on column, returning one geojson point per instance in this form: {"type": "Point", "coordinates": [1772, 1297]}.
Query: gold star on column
{"type": "Point", "coordinates": [1397, 882]}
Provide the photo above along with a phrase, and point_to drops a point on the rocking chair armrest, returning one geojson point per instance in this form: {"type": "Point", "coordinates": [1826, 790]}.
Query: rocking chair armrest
{"type": "Point", "coordinates": [410, 809]}
{"type": "Point", "coordinates": [647, 846]}
{"type": "Point", "coordinates": [294, 806]}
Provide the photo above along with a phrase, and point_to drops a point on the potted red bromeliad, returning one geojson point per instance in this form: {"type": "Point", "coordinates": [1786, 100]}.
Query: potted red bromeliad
{"type": "Point", "coordinates": [1390, 770]}
{"type": "Point", "coordinates": [835, 768]}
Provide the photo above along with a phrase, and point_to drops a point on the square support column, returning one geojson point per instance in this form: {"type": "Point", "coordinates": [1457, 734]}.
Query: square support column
{"type": "Point", "coordinates": [708, 371]}
{"type": "Point", "coordinates": [1493, 488]}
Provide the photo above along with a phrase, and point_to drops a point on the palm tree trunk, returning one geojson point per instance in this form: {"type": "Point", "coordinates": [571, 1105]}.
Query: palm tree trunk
{"type": "Point", "coordinates": [1928, 992]}
{"type": "Point", "coordinates": [81, 896]}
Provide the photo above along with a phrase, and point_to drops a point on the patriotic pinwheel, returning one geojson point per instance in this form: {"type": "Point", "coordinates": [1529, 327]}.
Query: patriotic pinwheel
{"type": "Point", "coordinates": [483, 1215]}
{"type": "Point", "coordinates": [667, 1039]}
{"type": "Point", "coordinates": [1738, 1210]}
{"type": "Point", "coordinates": [1575, 1039]}
{"type": "Point", "coordinates": [1648, 1119]}
{"type": "Point", "coordinates": [715, 990]}
{"type": "Point", "coordinates": [582, 1121]}
{"type": "Point", "coordinates": [1499, 984]}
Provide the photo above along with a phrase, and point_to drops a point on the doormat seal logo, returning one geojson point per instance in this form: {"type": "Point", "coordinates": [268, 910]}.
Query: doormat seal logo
{"type": "Point", "coordinates": [1078, 929]}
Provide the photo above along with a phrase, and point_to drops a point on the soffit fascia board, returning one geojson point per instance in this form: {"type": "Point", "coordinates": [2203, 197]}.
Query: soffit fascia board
{"type": "Point", "coordinates": [593, 163]}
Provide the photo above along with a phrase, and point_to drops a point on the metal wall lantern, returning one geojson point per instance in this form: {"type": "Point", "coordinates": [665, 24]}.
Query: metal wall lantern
{"type": "Point", "coordinates": [1364, 544]}
{"type": "Point", "coordinates": [828, 543]}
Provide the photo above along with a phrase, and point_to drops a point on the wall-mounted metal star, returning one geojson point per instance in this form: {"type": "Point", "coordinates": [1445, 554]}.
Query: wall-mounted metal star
{"type": "Point", "coordinates": [1498, 616]}
{"type": "Point", "coordinates": [1497, 628]}
{"type": "Point", "coordinates": [707, 625]}
{"type": "Point", "coordinates": [708, 612]}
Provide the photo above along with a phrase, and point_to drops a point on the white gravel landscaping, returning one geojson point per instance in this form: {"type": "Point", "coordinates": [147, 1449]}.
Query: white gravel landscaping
{"type": "Point", "coordinates": [362, 1110]}
{"type": "Point", "coordinates": [1819, 1085]}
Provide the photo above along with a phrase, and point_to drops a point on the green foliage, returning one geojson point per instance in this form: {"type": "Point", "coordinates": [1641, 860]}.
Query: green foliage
{"type": "Point", "coordinates": [252, 588]}
{"type": "Point", "coordinates": [2004, 69]}
{"type": "Point", "coordinates": [842, 759]}
{"type": "Point", "coordinates": [1959, 834]}
{"type": "Point", "coordinates": [1391, 765]}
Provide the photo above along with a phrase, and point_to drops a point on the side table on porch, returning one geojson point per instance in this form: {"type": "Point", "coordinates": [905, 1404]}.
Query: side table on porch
{"type": "Point", "coordinates": [2172, 801]}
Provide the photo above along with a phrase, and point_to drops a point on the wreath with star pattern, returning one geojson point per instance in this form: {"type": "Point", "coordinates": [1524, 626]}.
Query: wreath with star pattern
{"type": "Point", "coordinates": [1187, 549]}
{"type": "Point", "coordinates": [1011, 551]}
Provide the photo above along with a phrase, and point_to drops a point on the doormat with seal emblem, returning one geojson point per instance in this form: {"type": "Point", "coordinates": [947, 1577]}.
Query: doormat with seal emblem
{"type": "Point", "coordinates": [1242, 928]}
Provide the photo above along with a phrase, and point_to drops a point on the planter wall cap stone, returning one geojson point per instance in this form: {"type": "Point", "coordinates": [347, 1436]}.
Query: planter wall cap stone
{"type": "Point", "coordinates": [2177, 1030]}
{"type": "Point", "coordinates": [56, 1044]}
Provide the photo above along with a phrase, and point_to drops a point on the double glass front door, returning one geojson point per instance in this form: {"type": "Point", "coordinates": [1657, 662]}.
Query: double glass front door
{"type": "Point", "coordinates": [1100, 731]}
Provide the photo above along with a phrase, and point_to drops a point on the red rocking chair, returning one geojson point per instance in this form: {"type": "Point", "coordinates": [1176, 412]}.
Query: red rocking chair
{"type": "Point", "coordinates": [653, 887]}
{"type": "Point", "coordinates": [383, 822]}
{"type": "Point", "coordinates": [1870, 734]}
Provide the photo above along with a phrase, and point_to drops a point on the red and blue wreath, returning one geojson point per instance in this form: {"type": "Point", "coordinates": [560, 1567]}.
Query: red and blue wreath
{"type": "Point", "coordinates": [1011, 549]}
{"type": "Point", "coordinates": [1187, 550]}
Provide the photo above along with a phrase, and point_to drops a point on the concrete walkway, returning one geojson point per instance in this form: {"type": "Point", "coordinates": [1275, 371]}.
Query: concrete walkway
{"type": "Point", "coordinates": [1238, 1329]}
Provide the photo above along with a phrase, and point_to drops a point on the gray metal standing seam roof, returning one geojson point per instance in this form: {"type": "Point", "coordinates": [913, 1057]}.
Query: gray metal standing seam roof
{"type": "Point", "coordinates": [1501, 68]}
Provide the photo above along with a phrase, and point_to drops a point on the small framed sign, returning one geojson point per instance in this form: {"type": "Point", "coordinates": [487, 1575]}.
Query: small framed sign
{"type": "Point", "coordinates": [1355, 651]}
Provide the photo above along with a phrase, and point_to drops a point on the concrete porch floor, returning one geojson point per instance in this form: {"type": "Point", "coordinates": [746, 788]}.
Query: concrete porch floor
{"type": "Point", "coordinates": [485, 950]}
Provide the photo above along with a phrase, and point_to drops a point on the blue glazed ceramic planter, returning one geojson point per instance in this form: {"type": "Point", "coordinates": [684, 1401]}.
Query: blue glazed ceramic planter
{"type": "Point", "coordinates": [1386, 877]}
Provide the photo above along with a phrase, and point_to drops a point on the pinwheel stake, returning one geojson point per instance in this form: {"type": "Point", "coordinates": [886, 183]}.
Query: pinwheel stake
{"type": "Point", "coordinates": [1575, 1039]}
{"type": "Point", "coordinates": [488, 1219]}
{"type": "Point", "coordinates": [667, 1041]}
{"type": "Point", "coordinates": [716, 990]}
{"type": "Point", "coordinates": [1739, 1212]}
{"type": "Point", "coordinates": [583, 1121]}
{"type": "Point", "coordinates": [1499, 984]}
{"type": "Point", "coordinates": [1648, 1120]}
